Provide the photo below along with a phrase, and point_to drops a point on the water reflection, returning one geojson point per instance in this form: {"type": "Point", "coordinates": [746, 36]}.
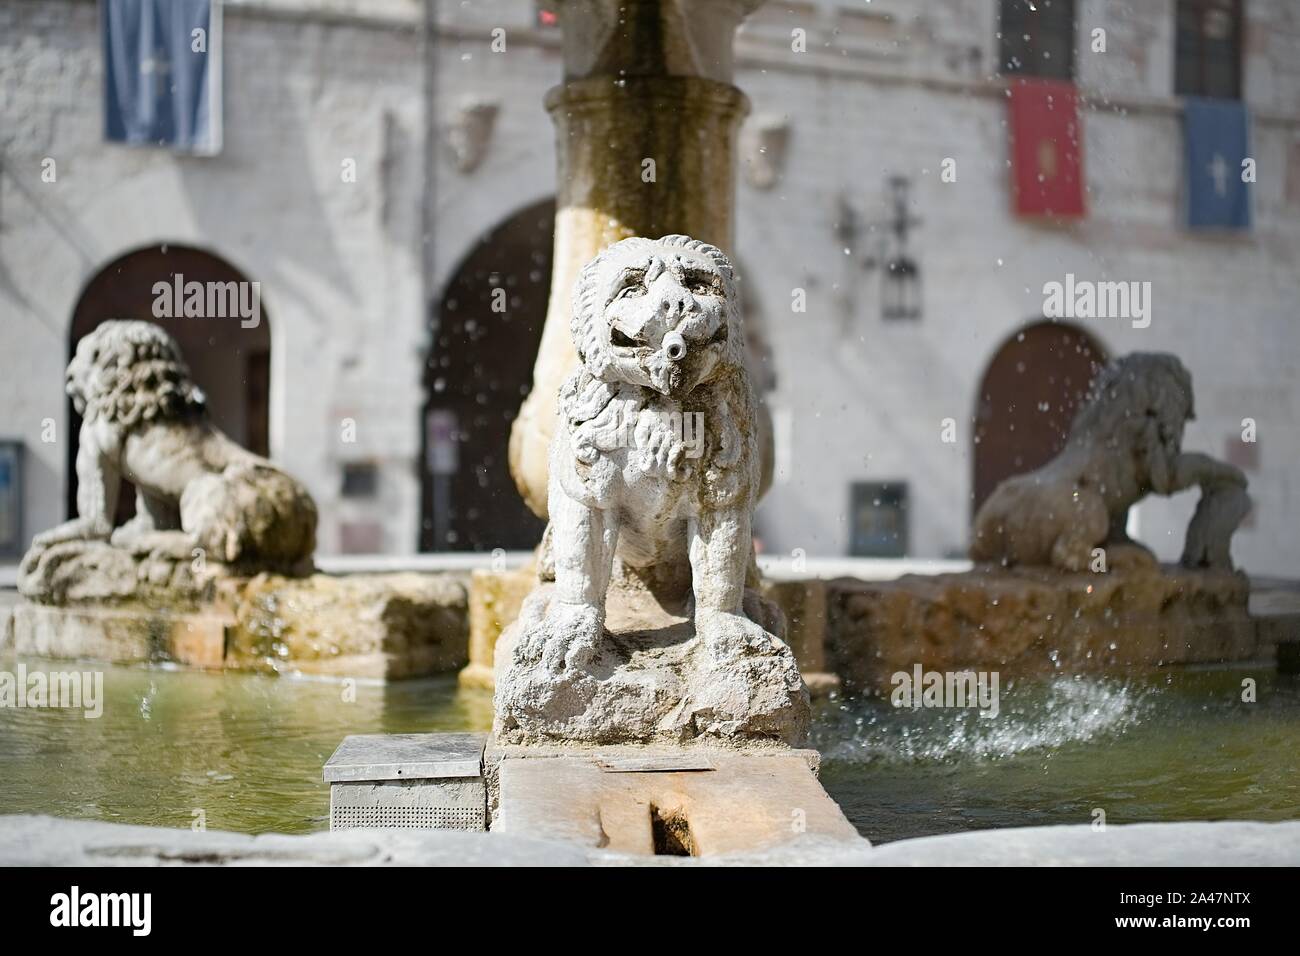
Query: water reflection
{"type": "Point", "coordinates": [245, 750]}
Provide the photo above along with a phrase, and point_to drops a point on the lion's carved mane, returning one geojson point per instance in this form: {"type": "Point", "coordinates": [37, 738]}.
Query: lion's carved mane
{"type": "Point", "coordinates": [725, 467]}
{"type": "Point", "coordinates": [127, 373]}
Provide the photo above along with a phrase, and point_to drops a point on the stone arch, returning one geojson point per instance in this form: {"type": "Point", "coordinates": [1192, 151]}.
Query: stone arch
{"type": "Point", "coordinates": [477, 373]}
{"type": "Point", "coordinates": [230, 358]}
{"type": "Point", "coordinates": [1027, 398]}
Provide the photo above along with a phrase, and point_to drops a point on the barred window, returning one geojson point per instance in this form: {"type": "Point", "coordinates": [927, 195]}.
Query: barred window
{"type": "Point", "coordinates": [1208, 48]}
{"type": "Point", "coordinates": [1036, 38]}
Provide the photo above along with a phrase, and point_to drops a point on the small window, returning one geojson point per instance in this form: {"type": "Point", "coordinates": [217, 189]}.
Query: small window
{"type": "Point", "coordinates": [11, 499]}
{"type": "Point", "coordinates": [1208, 49]}
{"type": "Point", "coordinates": [1037, 38]}
{"type": "Point", "coordinates": [879, 519]}
{"type": "Point", "coordinates": [360, 480]}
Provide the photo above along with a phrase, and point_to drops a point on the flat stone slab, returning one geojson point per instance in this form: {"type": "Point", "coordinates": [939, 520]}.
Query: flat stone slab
{"type": "Point", "coordinates": [746, 802]}
{"type": "Point", "coordinates": [406, 757]}
{"type": "Point", "coordinates": [51, 841]}
{"type": "Point", "coordinates": [1218, 844]}
{"type": "Point", "coordinates": [637, 764]}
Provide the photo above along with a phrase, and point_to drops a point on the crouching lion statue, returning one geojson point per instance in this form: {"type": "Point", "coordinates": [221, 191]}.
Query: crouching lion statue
{"type": "Point", "coordinates": [1124, 444]}
{"type": "Point", "coordinates": [654, 474]}
{"type": "Point", "coordinates": [197, 492]}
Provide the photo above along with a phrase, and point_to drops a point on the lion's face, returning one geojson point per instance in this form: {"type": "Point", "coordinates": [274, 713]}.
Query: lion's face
{"type": "Point", "coordinates": [659, 314]}
{"type": "Point", "coordinates": [125, 371]}
{"type": "Point", "coordinates": [81, 370]}
{"type": "Point", "coordinates": [1140, 406]}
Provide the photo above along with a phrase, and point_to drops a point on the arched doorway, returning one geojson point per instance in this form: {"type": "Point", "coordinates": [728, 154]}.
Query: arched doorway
{"type": "Point", "coordinates": [1027, 399]}
{"type": "Point", "coordinates": [480, 367]}
{"type": "Point", "coordinates": [229, 357]}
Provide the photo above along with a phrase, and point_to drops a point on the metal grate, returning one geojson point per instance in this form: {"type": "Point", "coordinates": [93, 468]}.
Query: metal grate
{"type": "Point", "coordinates": [407, 818]}
{"type": "Point", "coordinates": [408, 782]}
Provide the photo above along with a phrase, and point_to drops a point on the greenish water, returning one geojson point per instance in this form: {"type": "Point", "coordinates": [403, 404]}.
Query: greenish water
{"type": "Point", "coordinates": [248, 751]}
{"type": "Point", "coordinates": [1180, 745]}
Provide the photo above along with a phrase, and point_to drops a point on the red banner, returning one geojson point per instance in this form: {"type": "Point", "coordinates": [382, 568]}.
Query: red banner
{"type": "Point", "coordinates": [1046, 148]}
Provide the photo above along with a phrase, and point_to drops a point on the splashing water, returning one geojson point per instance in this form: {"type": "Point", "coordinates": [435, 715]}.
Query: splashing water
{"type": "Point", "coordinates": [1066, 710]}
{"type": "Point", "coordinates": [1175, 745]}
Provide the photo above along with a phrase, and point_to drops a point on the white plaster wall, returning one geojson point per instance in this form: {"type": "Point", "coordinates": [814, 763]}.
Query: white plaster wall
{"type": "Point", "coordinates": [865, 398]}
{"type": "Point", "coordinates": [893, 88]}
{"type": "Point", "coordinates": [338, 262]}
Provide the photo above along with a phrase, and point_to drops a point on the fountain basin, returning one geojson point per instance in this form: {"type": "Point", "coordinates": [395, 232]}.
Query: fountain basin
{"type": "Point", "coordinates": [1040, 621]}
{"type": "Point", "coordinates": [386, 626]}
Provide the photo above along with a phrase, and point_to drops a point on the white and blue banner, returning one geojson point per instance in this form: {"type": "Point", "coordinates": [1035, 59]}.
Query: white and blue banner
{"type": "Point", "coordinates": [162, 73]}
{"type": "Point", "coordinates": [1220, 170]}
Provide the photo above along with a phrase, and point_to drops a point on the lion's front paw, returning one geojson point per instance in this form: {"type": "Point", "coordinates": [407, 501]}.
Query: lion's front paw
{"type": "Point", "coordinates": [567, 639]}
{"type": "Point", "coordinates": [1130, 556]}
{"type": "Point", "coordinates": [131, 536]}
{"type": "Point", "coordinates": [729, 635]}
{"type": "Point", "coordinates": [78, 529]}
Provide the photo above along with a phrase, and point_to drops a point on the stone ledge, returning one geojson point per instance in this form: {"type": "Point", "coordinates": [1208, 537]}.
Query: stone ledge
{"type": "Point", "coordinates": [50, 841]}
{"type": "Point", "coordinates": [384, 626]}
{"type": "Point", "coordinates": [1038, 621]}
{"type": "Point", "coordinates": [648, 801]}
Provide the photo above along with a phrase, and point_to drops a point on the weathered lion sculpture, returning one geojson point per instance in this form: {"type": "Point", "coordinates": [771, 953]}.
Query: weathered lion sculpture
{"type": "Point", "coordinates": [145, 420]}
{"type": "Point", "coordinates": [1124, 444]}
{"type": "Point", "coordinates": [654, 473]}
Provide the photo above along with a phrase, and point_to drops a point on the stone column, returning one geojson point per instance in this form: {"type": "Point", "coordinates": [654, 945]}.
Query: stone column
{"type": "Point", "coordinates": [646, 124]}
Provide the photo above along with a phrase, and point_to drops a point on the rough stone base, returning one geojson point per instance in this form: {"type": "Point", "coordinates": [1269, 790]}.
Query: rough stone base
{"type": "Point", "coordinates": [652, 679]}
{"type": "Point", "coordinates": [804, 605]}
{"type": "Point", "coordinates": [1036, 621]}
{"type": "Point", "coordinates": [370, 626]}
{"type": "Point", "coordinates": [495, 598]}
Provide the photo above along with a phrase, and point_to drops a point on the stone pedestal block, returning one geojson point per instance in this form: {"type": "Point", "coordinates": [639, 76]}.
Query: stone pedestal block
{"type": "Point", "coordinates": [1039, 621]}
{"type": "Point", "coordinates": [653, 679]}
{"type": "Point", "coordinates": [382, 626]}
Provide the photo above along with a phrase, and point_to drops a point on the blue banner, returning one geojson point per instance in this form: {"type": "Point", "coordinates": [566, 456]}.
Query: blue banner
{"type": "Point", "coordinates": [162, 73]}
{"type": "Point", "coordinates": [1220, 170]}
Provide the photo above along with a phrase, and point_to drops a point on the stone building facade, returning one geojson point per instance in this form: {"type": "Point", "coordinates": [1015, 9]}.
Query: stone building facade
{"type": "Point", "coordinates": [370, 283]}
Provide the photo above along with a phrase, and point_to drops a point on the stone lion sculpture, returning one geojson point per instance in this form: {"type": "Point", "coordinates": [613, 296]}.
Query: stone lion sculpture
{"type": "Point", "coordinates": [145, 420]}
{"type": "Point", "coordinates": [654, 473]}
{"type": "Point", "coordinates": [1124, 444]}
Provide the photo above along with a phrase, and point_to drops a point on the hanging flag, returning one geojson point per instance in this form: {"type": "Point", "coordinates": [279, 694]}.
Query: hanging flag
{"type": "Point", "coordinates": [162, 73]}
{"type": "Point", "coordinates": [1046, 148]}
{"type": "Point", "coordinates": [1219, 167]}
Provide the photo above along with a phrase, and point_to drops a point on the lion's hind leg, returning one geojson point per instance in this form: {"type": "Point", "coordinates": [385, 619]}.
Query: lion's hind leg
{"type": "Point", "coordinates": [1083, 521]}
{"type": "Point", "coordinates": [212, 514]}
